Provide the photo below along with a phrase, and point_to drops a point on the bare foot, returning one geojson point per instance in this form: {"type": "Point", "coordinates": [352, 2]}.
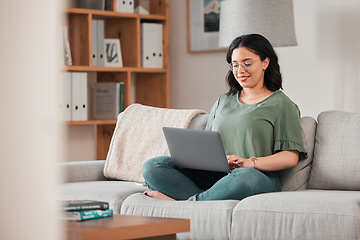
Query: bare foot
{"type": "Point", "coordinates": [158, 195]}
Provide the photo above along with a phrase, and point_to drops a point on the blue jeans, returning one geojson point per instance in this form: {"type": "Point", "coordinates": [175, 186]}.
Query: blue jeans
{"type": "Point", "coordinates": [160, 174]}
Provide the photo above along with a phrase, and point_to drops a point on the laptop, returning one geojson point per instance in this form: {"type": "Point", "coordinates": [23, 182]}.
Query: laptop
{"type": "Point", "coordinates": [196, 149]}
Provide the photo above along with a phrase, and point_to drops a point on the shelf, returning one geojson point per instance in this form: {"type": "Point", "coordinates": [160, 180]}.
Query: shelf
{"type": "Point", "coordinates": [102, 13]}
{"type": "Point", "coordinates": [114, 69]}
{"type": "Point", "coordinates": [91, 122]}
{"type": "Point", "coordinates": [148, 86]}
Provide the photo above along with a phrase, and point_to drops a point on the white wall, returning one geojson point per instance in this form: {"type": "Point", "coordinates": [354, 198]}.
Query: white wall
{"type": "Point", "coordinates": [29, 139]}
{"type": "Point", "coordinates": [321, 73]}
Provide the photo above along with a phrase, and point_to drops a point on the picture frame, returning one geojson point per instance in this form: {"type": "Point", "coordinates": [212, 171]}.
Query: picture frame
{"type": "Point", "coordinates": [113, 56]}
{"type": "Point", "coordinates": [203, 18]}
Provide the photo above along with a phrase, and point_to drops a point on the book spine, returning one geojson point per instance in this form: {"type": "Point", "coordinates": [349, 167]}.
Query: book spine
{"type": "Point", "coordinates": [85, 215]}
{"type": "Point", "coordinates": [121, 96]}
{"type": "Point", "coordinates": [100, 206]}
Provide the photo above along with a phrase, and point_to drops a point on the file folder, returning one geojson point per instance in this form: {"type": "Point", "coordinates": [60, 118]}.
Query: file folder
{"type": "Point", "coordinates": [100, 42]}
{"type": "Point", "coordinates": [65, 105]}
{"type": "Point", "coordinates": [94, 42]}
{"type": "Point", "coordinates": [151, 45]}
{"type": "Point", "coordinates": [75, 97]}
{"type": "Point", "coordinates": [83, 96]}
{"type": "Point", "coordinates": [126, 6]}
{"type": "Point", "coordinates": [97, 38]}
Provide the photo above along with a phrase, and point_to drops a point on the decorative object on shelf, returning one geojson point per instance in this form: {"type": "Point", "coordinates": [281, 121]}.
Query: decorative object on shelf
{"type": "Point", "coordinates": [272, 19]}
{"type": "Point", "coordinates": [66, 44]}
{"type": "Point", "coordinates": [203, 25]}
{"type": "Point", "coordinates": [142, 6]}
{"type": "Point", "coordinates": [112, 53]}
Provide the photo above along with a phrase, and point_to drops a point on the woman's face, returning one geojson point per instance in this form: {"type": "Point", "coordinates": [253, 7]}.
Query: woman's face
{"type": "Point", "coordinates": [248, 68]}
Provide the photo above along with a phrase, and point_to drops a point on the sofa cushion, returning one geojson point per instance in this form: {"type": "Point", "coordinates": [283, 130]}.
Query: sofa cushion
{"type": "Point", "coordinates": [208, 219]}
{"type": "Point", "coordinates": [199, 122]}
{"type": "Point", "coordinates": [296, 178]}
{"type": "Point", "coordinates": [138, 136]}
{"type": "Point", "coordinates": [82, 171]}
{"type": "Point", "coordinates": [113, 192]}
{"type": "Point", "coordinates": [336, 163]}
{"type": "Point", "coordinates": [309, 214]}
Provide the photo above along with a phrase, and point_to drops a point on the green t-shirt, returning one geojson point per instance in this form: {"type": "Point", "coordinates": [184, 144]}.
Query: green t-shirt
{"type": "Point", "coordinates": [257, 130]}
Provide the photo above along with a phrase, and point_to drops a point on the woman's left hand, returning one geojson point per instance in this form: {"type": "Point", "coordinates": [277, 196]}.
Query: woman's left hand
{"type": "Point", "coordinates": [236, 161]}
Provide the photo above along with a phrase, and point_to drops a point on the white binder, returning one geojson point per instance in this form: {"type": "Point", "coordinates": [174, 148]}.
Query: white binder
{"type": "Point", "coordinates": [130, 6]}
{"type": "Point", "coordinates": [126, 6]}
{"type": "Point", "coordinates": [97, 38]}
{"type": "Point", "coordinates": [151, 45]}
{"type": "Point", "coordinates": [75, 97]}
{"type": "Point", "coordinates": [83, 106]}
{"type": "Point", "coordinates": [94, 42]}
{"type": "Point", "coordinates": [100, 42]}
{"type": "Point", "coordinates": [65, 105]}
{"type": "Point", "coordinates": [158, 61]}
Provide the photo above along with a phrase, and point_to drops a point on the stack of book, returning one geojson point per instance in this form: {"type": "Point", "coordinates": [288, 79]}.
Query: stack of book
{"type": "Point", "coordinates": [85, 209]}
{"type": "Point", "coordinates": [108, 100]}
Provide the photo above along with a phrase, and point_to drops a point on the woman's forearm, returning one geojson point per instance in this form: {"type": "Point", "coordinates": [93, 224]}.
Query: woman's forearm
{"type": "Point", "coordinates": [278, 161]}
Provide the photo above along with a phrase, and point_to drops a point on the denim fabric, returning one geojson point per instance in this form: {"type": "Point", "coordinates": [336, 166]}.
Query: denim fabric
{"type": "Point", "coordinates": [160, 174]}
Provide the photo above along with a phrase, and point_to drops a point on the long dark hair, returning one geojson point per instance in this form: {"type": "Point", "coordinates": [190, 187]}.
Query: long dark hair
{"type": "Point", "coordinates": [263, 48]}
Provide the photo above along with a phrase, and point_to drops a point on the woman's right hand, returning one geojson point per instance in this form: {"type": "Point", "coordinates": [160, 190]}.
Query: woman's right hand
{"type": "Point", "coordinates": [236, 161]}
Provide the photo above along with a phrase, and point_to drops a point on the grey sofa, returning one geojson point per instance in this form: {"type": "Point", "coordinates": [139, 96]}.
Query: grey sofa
{"type": "Point", "coordinates": [320, 197]}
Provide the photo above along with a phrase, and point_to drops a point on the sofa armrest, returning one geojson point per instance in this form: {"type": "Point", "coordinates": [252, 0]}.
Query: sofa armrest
{"type": "Point", "coordinates": [83, 171]}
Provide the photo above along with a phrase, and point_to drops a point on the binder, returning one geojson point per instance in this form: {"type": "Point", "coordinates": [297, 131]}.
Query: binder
{"type": "Point", "coordinates": [130, 6]}
{"type": "Point", "coordinates": [100, 42]}
{"type": "Point", "coordinates": [158, 59]}
{"type": "Point", "coordinates": [94, 42]}
{"type": "Point", "coordinates": [83, 106]}
{"type": "Point", "coordinates": [75, 97]}
{"type": "Point", "coordinates": [65, 104]}
{"type": "Point", "coordinates": [97, 37]}
{"type": "Point", "coordinates": [126, 6]}
{"type": "Point", "coordinates": [151, 45]}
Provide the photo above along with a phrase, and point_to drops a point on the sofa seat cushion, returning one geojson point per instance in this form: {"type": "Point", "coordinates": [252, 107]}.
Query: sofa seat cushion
{"type": "Point", "coordinates": [309, 214]}
{"type": "Point", "coordinates": [113, 192]}
{"type": "Point", "coordinates": [336, 163]}
{"type": "Point", "coordinates": [208, 220]}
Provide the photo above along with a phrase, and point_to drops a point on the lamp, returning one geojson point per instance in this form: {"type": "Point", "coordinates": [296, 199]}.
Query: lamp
{"type": "Point", "coordinates": [274, 19]}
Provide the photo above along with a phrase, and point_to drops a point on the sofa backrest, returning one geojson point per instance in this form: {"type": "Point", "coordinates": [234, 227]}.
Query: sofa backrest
{"type": "Point", "coordinates": [291, 179]}
{"type": "Point", "coordinates": [296, 178]}
{"type": "Point", "coordinates": [336, 164]}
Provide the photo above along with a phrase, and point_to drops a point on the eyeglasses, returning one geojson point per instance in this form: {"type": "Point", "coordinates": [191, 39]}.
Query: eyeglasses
{"type": "Point", "coordinates": [245, 65]}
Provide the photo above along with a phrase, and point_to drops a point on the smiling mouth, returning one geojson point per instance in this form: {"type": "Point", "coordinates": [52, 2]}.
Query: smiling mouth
{"type": "Point", "coordinates": [243, 78]}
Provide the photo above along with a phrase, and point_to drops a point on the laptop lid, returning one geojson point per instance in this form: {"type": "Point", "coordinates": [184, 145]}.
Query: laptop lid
{"type": "Point", "coordinates": [196, 149]}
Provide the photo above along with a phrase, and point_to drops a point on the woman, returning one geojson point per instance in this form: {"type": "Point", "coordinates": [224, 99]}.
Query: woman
{"type": "Point", "coordinates": [259, 127]}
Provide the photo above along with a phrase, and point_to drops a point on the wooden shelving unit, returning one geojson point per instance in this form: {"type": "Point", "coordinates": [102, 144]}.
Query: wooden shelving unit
{"type": "Point", "coordinates": [149, 86]}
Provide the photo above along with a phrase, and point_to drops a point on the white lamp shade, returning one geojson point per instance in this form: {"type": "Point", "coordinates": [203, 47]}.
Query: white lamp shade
{"type": "Point", "coordinates": [274, 19]}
